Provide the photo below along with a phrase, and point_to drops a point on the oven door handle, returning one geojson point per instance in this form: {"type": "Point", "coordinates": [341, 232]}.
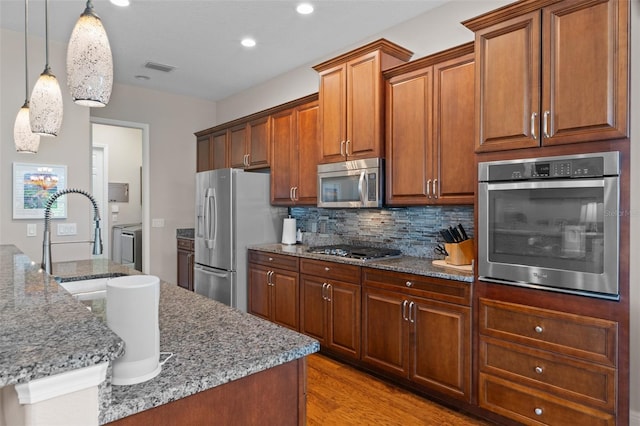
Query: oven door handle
{"type": "Point", "coordinates": [568, 183]}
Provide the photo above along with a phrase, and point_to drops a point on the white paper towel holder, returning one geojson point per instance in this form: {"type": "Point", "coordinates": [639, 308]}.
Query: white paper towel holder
{"type": "Point", "coordinates": [289, 230]}
{"type": "Point", "coordinates": [132, 313]}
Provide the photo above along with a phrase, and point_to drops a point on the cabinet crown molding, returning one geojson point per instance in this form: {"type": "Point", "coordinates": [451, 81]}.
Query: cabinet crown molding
{"type": "Point", "coordinates": [382, 44]}
{"type": "Point", "coordinates": [436, 58]}
{"type": "Point", "coordinates": [506, 12]}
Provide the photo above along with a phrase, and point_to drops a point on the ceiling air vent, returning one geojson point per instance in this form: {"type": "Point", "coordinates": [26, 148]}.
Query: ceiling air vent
{"type": "Point", "coordinates": [159, 67]}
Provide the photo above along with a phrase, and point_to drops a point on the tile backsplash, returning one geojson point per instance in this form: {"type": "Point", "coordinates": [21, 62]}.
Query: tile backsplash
{"type": "Point", "coordinates": [413, 230]}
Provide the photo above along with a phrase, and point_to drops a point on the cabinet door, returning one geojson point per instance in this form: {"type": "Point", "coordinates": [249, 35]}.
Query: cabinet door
{"type": "Point", "coordinates": [364, 107]}
{"type": "Point", "coordinates": [184, 277]}
{"type": "Point", "coordinates": [283, 158]}
{"type": "Point", "coordinates": [285, 299]}
{"type": "Point", "coordinates": [453, 126]}
{"type": "Point", "coordinates": [385, 336]}
{"type": "Point", "coordinates": [344, 318]}
{"type": "Point", "coordinates": [308, 157]}
{"type": "Point", "coordinates": [313, 310]}
{"type": "Point", "coordinates": [333, 113]}
{"type": "Point", "coordinates": [259, 291]}
{"type": "Point", "coordinates": [409, 130]}
{"type": "Point", "coordinates": [508, 84]}
{"type": "Point", "coordinates": [204, 154]}
{"type": "Point", "coordinates": [585, 71]}
{"type": "Point", "coordinates": [238, 146]}
{"type": "Point", "coordinates": [219, 150]}
{"type": "Point", "coordinates": [441, 350]}
{"type": "Point", "coordinates": [258, 145]}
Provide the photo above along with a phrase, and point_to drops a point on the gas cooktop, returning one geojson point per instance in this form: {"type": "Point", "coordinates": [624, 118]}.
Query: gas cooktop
{"type": "Point", "coordinates": [364, 254]}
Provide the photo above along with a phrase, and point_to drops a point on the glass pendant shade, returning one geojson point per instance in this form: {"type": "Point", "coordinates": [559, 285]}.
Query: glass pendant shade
{"type": "Point", "coordinates": [45, 111]}
{"type": "Point", "coordinates": [23, 137]}
{"type": "Point", "coordinates": [89, 61]}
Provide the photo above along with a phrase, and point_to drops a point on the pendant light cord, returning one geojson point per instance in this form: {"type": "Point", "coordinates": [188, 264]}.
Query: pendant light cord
{"type": "Point", "coordinates": [46, 33]}
{"type": "Point", "coordinates": [26, 54]}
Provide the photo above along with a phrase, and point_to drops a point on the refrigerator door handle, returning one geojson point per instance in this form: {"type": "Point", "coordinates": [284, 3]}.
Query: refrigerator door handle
{"type": "Point", "coordinates": [214, 237]}
{"type": "Point", "coordinates": [209, 272]}
{"type": "Point", "coordinates": [208, 197]}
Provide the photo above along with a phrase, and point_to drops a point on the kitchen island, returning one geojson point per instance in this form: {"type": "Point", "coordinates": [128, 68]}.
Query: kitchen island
{"type": "Point", "coordinates": [47, 332]}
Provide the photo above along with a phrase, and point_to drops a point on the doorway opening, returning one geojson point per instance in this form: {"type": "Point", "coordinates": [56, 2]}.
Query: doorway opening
{"type": "Point", "coordinates": [120, 158]}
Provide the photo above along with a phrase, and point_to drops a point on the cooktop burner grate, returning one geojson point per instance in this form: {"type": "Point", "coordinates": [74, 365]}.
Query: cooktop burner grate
{"type": "Point", "coordinates": [357, 252]}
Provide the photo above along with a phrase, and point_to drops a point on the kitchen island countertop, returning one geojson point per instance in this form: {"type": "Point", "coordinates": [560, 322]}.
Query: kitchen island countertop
{"type": "Point", "coordinates": [46, 331]}
{"type": "Point", "coordinates": [406, 264]}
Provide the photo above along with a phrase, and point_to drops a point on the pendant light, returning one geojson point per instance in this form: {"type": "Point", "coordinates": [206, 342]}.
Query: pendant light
{"type": "Point", "coordinates": [25, 141]}
{"type": "Point", "coordinates": [46, 99]}
{"type": "Point", "coordinates": [89, 61]}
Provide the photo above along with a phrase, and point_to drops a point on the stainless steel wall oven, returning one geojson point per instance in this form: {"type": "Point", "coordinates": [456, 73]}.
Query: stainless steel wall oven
{"type": "Point", "coordinates": [551, 223]}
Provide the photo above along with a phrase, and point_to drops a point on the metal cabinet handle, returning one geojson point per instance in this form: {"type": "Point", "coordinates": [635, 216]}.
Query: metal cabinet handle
{"type": "Point", "coordinates": [342, 154]}
{"type": "Point", "coordinates": [347, 148]}
{"type": "Point", "coordinates": [408, 284]}
{"type": "Point", "coordinates": [435, 191]}
{"type": "Point", "coordinates": [404, 310]}
{"type": "Point", "coordinates": [271, 259]}
{"type": "Point", "coordinates": [538, 411]}
{"type": "Point", "coordinates": [545, 126]}
{"type": "Point", "coordinates": [539, 329]}
{"type": "Point", "coordinates": [295, 193]}
{"type": "Point", "coordinates": [324, 288]}
{"type": "Point", "coordinates": [291, 193]}
{"type": "Point", "coordinates": [328, 292]}
{"type": "Point", "coordinates": [429, 188]}
{"type": "Point", "coordinates": [412, 312]}
{"type": "Point", "coordinates": [539, 369]}
{"type": "Point", "coordinates": [533, 125]}
{"type": "Point", "coordinates": [269, 277]}
{"type": "Point", "coordinates": [327, 269]}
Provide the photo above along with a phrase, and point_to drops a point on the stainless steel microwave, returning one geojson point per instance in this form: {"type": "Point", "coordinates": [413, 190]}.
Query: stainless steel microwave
{"type": "Point", "coordinates": [551, 223]}
{"type": "Point", "coordinates": [351, 184]}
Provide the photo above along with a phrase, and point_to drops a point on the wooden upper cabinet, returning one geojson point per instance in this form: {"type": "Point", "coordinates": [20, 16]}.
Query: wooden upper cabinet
{"type": "Point", "coordinates": [237, 146]}
{"type": "Point", "coordinates": [552, 75]}
{"type": "Point", "coordinates": [212, 151]}
{"type": "Point", "coordinates": [352, 101]}
{"type": "Point", "coordinates": [294, 160]}
{"type": "Point", "coordinates": [430, 130]}
{"type": "Point", "coordinates": [258, 143]}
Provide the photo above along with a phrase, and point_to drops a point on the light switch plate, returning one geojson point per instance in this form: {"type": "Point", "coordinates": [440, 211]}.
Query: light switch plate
{"type": "Point", "coordinates": [31, 229]}
{"type": "Point", "coordinates": [67, 229]}
{"type": "Point", "coordinates": [157, 223]}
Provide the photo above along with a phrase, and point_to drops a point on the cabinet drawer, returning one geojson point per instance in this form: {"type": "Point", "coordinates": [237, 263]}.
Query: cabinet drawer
{"type": "Point", "coordinates": [331, 270]}
{"type": "Point", "coordinates": [533, 407]}
{"type": "Point", "coordinates": [185, 244]}
{"type": "Point", "coordinates": [274, 260]}
{"type": "Point", "coordinates": [451, 291]}
{"type": "Point", "coordinates": [569, 378]}
{"type": "Point", "coordinates": [592, 339]}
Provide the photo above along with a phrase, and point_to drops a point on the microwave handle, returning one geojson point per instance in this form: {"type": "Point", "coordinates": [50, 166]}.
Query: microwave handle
{"type": "Point", "coordinates": [362, 187]}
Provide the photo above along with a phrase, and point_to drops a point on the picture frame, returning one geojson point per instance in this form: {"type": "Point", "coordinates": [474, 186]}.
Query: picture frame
{"type": "Point", "coordinates": [33, 184]}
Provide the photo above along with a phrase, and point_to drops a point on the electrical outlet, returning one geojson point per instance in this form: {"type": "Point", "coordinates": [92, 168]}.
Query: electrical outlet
{"type": "Point", "coordinates": [157, 223]}
{"type": "Point", "coordinates": [67, 229]}
{"type": "Point", "coordinates": [31, 229]}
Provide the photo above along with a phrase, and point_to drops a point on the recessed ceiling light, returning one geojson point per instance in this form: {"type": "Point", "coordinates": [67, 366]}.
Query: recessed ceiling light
{"type": "Point", "coordinates": [248, 42]}
{"type": "Point", "coordinates": [142, 77]}
{"type": "Point", "coordinates": [304, 8]}
{"type": "Point", "coordinates": [121, 3]}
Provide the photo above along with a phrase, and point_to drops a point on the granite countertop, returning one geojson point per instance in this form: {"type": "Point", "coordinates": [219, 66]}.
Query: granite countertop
{"type": "Point", "coordinates": [406, 264]}
{"type": "Point", "coordinates": [46, 331]}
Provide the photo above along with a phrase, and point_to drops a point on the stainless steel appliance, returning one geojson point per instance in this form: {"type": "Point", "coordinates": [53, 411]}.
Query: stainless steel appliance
{"type": "Point", "coordinates": [351, 184]}
{"type": "Point", "coordinates": [126, 244]}
{"type": "Point", "coordinates": [551, 223]}
{"type": "Point", "coordinates": [365, 254]}
{"type": "Point", "coordinates": [232, 211]}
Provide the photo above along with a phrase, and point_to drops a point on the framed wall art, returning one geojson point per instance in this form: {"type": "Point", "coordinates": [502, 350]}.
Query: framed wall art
{"type": "Point", "coordinates": [33, 184]}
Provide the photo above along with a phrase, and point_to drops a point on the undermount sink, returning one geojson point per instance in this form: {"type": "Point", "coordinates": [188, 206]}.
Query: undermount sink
{"type": "Point", "coordinates": [90, 290]}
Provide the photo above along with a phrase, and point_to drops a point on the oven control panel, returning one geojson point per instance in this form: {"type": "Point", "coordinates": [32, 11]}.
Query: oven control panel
{"type": "Point", "coordinates": [548, 169]}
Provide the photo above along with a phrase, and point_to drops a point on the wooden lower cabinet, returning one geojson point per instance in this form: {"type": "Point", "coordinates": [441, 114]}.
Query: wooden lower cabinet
{"type": "Point", "coordinates": [330, 308]}
{"type": "Point", "coordinates": [541, 366]}
{"type": "Point", "coordinates": [423, 340]}
{"type": "Point", "coordinates": [185, 263]}
{"type": "Point", "coordinates": [274, 292]}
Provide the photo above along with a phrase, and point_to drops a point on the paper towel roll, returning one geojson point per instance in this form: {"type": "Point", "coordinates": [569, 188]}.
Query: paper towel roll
{"type": "Point", "coordinates": [289, 231]}
{"type": "Point", "coordinates": [132, 313]}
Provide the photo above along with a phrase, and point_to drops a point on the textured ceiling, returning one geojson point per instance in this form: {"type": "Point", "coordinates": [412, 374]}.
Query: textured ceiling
{"type": "Point", "coordinates": [202, 38]}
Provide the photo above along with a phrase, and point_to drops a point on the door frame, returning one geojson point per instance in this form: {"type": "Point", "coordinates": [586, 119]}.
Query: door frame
{"type": "Point", "coordinates": [146, 215]}
{"type": "Point", "coordinates": [104, 202]}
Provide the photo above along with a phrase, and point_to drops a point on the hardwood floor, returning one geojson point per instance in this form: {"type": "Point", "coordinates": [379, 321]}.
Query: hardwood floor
{"type": "Point", "coordinates": [338, 394]}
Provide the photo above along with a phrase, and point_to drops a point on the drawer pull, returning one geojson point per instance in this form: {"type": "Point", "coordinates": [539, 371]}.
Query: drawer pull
{"type": "Point", "coordinates": [409, 284]}
{"type": "Point", "coordinates": [326, 268]}
{"type": "Point", "coordinates": [539, 370]}
{"type": "Point", "coordinates": [538, 411]}
{"type": "Point", "coordinates": [271, 259]}
{"type": "Point", "coordinates": [539, 329]}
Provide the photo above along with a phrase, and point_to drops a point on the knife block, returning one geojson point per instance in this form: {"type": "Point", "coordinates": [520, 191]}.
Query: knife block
{"type": "Point", "coordinates": [459, 253]}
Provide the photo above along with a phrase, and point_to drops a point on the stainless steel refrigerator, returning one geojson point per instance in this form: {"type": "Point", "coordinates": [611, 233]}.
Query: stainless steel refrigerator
{"type": "Point", "coordinates": [233, 211]}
